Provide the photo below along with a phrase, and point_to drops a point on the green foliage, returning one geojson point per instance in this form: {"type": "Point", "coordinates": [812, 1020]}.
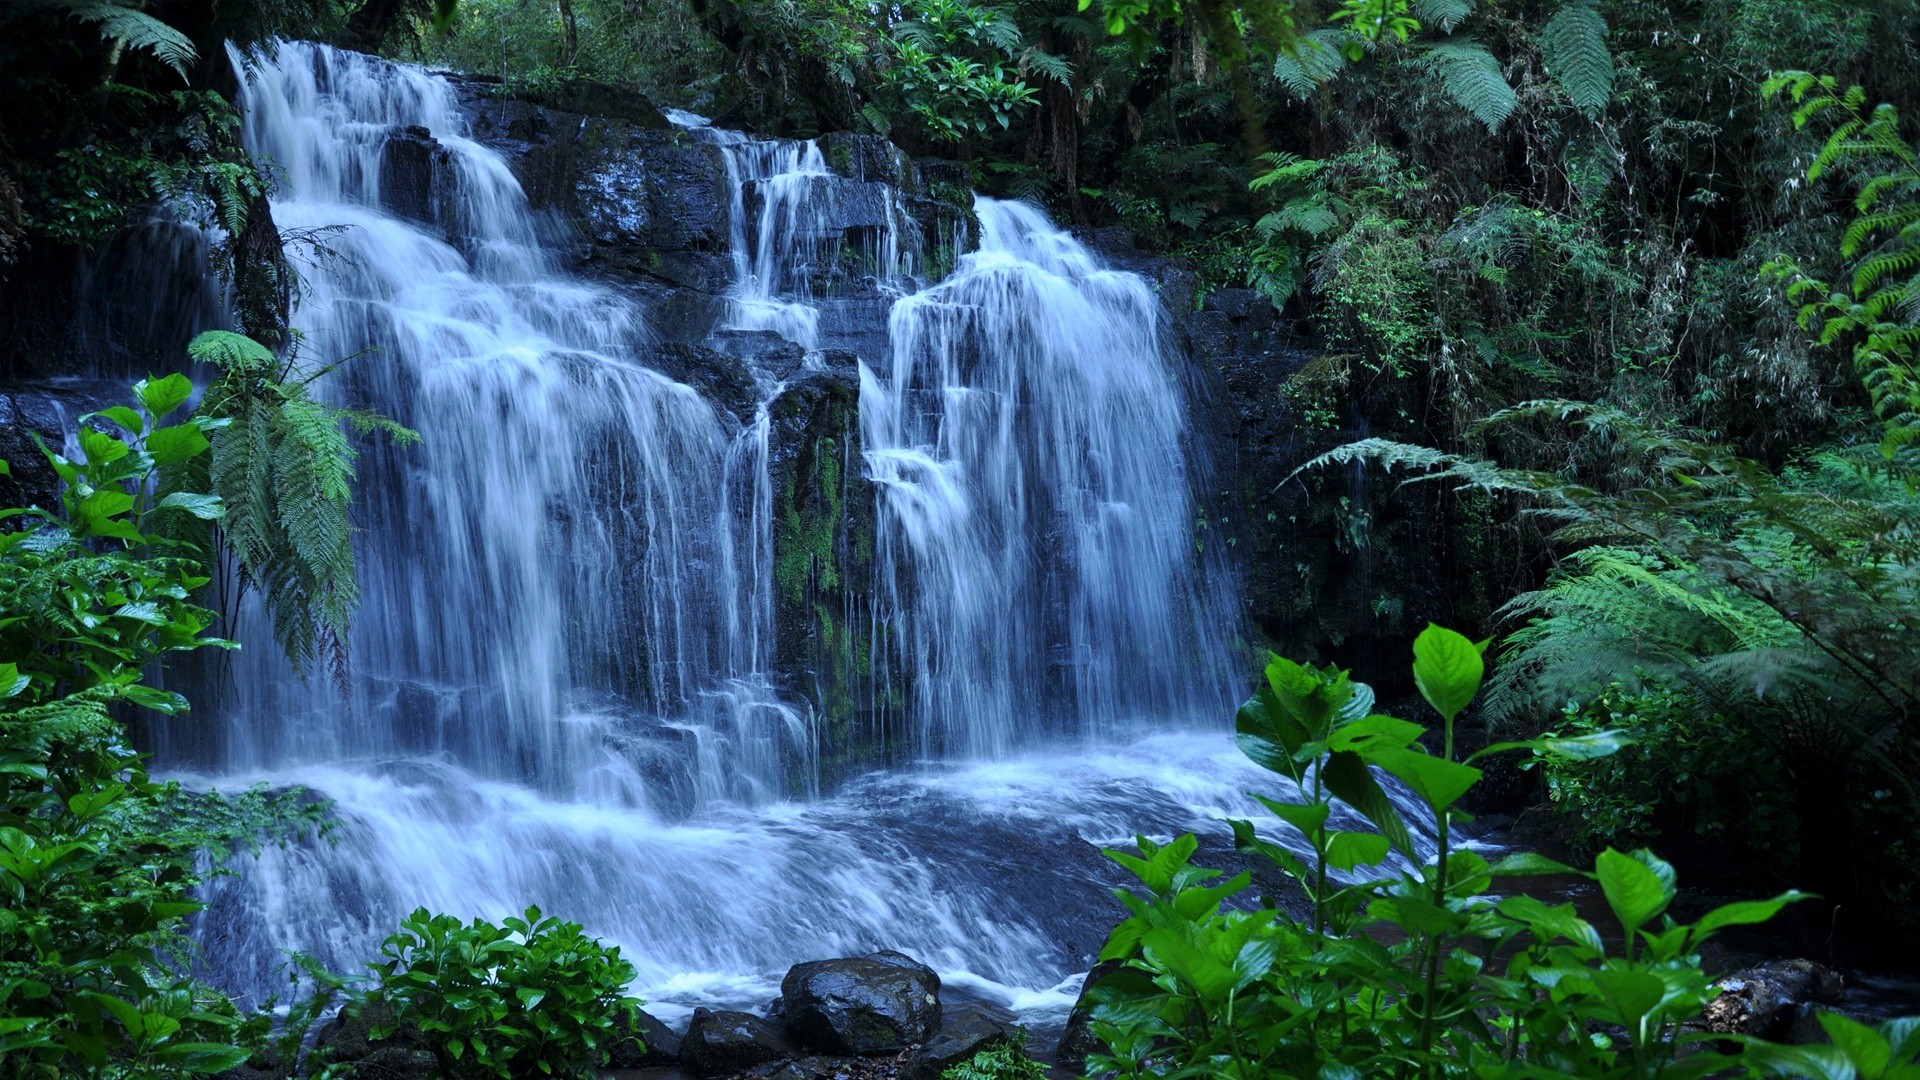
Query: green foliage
{"type": "Point", "coordinates": [1413, 969]}
{"type": "Point", "coordinates": [1876, 310]}
{"type": "Point", "coordinates": [283, 466]}
{"type": "Point", "coordinates": [532, 996]}
{"type": "Point", "coordinates": [952, 68]}
{"type": "Point", "coordinates": [1472, 77]}
{"type": "Point", "coordinates": [135, 29]}
{"type": "Point", "coordinates": [1574, 45]}
{"type": "Point", "coordinates": [1006, 1060]}
{"type": "Point", "coordinates": [98, 862]}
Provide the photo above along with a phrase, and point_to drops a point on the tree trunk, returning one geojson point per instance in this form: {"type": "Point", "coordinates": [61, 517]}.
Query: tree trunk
{"type": "Point", "coordinates": [569, 35]}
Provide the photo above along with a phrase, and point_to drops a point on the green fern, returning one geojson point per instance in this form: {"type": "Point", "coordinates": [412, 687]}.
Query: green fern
{"type": "Point", "coordinates": [137, 30]}
{"type": "Point", "coordinates": [1317, 58]}
{"type": "Point", "coordinates": [1472, 78]}
{"type": "Point", "coordinates": [1442, 15]}
{"type": "Point", "coordinates": [284, 465]}
{"type": "Point", "coordinates": [1574, 46]}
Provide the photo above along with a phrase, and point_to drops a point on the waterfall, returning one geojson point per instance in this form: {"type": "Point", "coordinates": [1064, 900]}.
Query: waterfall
{"type": "Point", "coordinates": [1036, 531]}
{"type": "Point", "coordinates": [560, 688]}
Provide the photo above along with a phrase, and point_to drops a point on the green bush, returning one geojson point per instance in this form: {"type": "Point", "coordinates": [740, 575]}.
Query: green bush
{"type": "Point", "coordinates": [529, 997]}
{"type": "Point", "coordinates": [1414, 968]}
{"type": "Point", "coordinates": [97, 862]}
{"type": "Point", "coordinates": [1002, 1061]}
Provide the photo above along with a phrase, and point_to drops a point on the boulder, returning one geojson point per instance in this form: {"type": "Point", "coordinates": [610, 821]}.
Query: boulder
{"type": "Point", "coordinates": [32, 481]}
{"type": "Point", "coordinates": [872, 1004]}
{"type": "Point", "coordinates": [658, 1044]}
{"type": "Point", "coordinates": [727, 1042]}
{"type": "Point", "coordinates": [1076, 1040]}
{"type": "Point", "coordinates": [346, 1041]}
{"type": "Point", "coordinates": [414, 169]}
{"type": "Point", "coordinates": [965, 1030]}
{"type": "Point", "coordinates": [1764, 1000]}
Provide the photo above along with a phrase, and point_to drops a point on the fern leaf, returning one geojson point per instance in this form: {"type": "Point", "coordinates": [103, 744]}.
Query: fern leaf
{"type": "Point", "coordinates": [1472, 78]}
{"type": "Point", "coordinates": [139, 31]}
{"type": "Point", "coordinates": [1443, 15]}
{"type": "Point", "coordinates": [1315, 61]}
{"type": "Point", "coordinates": [1574, 45]}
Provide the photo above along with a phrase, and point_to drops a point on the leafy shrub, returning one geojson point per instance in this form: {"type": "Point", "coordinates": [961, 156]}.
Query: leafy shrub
{"type": "Point", "coordinates": [1412, 968]}
{"type": "Point", "coordinates": [97, 861]}
{"type": "Point", "coordinates": [530, 997]}
{"type": "Point", "coordinates": [1002, 1061]}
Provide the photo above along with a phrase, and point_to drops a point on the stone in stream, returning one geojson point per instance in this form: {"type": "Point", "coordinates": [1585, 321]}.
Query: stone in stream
{"type": "Point", "coordinates": [727, 1042]}
{"type": "Point", "coordinates": [1077, 1040]}
{"type": "Point", "coordinates": [872, 1004]}
{"type": "Point", "coordinates": [1765, 1000]}
{"type": "Point", "coordinates": [965, 1030]}
{"type": "Point", "coordinates": [658, 1044]}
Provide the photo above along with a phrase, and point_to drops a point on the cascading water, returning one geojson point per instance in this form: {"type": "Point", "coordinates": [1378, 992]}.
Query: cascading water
{"type": "Point", "coordinates": [559, 689]}
{"type": "Point", "coordinates": [1036, 531]}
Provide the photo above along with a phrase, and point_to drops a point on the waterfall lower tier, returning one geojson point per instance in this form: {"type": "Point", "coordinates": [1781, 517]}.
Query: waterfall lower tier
{"type": "Point", "coordinates": [644, 572]}
{"type": "Point", "coordinates": [989, 872]}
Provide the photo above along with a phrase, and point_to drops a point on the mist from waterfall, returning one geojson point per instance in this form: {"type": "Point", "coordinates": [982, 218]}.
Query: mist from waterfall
{"type": "Point", "coordinates": [560, 688]}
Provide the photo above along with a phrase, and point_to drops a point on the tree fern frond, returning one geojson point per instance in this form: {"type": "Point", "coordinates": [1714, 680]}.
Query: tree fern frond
{"type": "Point", "coordinates": [1574, 46]}
{"type": "Point", "coordinates": [1472, 78]}
{"type": "Point", "coordinates": [1317, 58]}
{"type": "Point", "coordinates": [139, 31]}
{"type": "Point", "coordinates": [1442, 15]}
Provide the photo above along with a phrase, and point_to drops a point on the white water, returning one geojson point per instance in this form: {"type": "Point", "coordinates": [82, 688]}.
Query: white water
{"type": "Point", "coordinates": [559, 690]}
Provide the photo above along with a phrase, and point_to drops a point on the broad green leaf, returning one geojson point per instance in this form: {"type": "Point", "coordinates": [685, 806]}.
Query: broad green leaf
{"type": "Point", "coordinates": [1631, 994]}
{"type": "Point", "coordinates": [162, 396]}
{"type": "Point", "coordinates": [1439, 781]}
{"type": "Point", "coordinates": [1526, 863]}
{"type": "Point", "coordinates": [1869, 1052]}
{"type": "Point", "coordinates": [1348, 778]}
{"type": "Point", "coordinates": [121, 415]}
{"type": "Point", "coordinates": [11, 681]}
{"type": "Point", "coordinates": [1308, 817]}
{"type": "Point", "coordinates": [204, 507]}
{"type": "Point", "coordinates": [1447, 668]}
{"type": "Point", "coordinates": [180, 442]}
{"type": "Point", "coordinates": [1634, 889]}
{"type": "Point", "coordinates": [1373, 730]}
{"type": "Point", "coordinates": [1743, 913]}
{"type": "Point", "coordinates": [1346, 850]}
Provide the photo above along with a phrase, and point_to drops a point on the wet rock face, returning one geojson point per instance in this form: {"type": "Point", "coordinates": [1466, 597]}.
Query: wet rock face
{"type": "Point", "coordinates": [823, 540]}
{"type": "Point", "coordinates": [882, 1002]}
{"type": "Point", "coordinates": [32, 481]}
{"type": "Point", "coordinates": [414, 171]}
{"type": "Point", "coordinates": [717, 1043]}
{"type": "Point", "coordinates": [635, 187]}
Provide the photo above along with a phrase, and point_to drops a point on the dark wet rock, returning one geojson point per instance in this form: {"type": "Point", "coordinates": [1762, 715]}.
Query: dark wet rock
{"type": "Point", "coordinates": [634, 187]}
{"type": "Point", "coordinates": [823, 552]}
{"type": "Point", "coordinates": [32, 481]}
{"type": "Point", "coordinates": [725, 1042]}
{"type": "Point", "coordinates": [773, 357]}
{"type": "Point", "coordinates": [658, 1044]}
{"type": "Point", "coordinates": [1765, 1000]}
{"type": "Point", "coordinates": [347, 1040]}
{"type": "Point", "coordinates": [1076, 1039]}
{"type": "Point", "coordinates": [965, 1030]}
{"type": "Point", "coordinates": [725, 381]}
{"type": "Point", "coordinates": [881, 1002]}
{"type": "Point", "coordinates": [414, 170]}
{"type": "Point", "coordinates": [598, 99]}
{"type": "Point", "coordinates": [395, 1063]}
